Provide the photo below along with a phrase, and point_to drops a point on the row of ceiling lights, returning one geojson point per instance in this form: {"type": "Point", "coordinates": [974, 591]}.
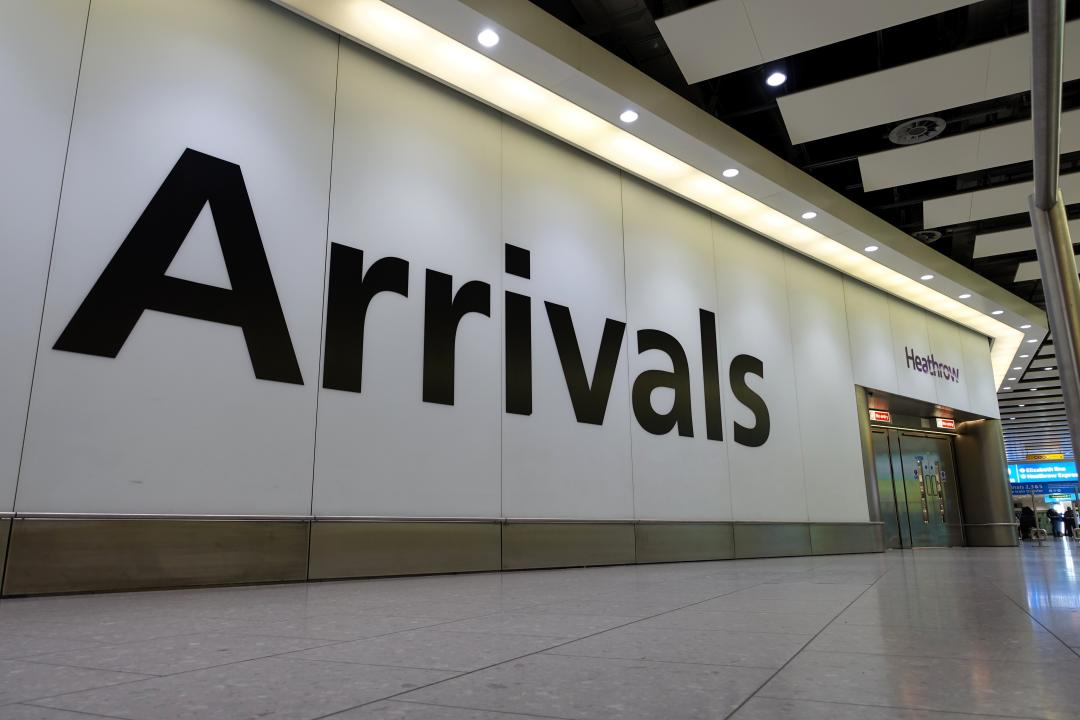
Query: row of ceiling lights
{"type": "Point", "coordinates": [488, 38]}
{"type": "Point", "coordinates": [776, 79]}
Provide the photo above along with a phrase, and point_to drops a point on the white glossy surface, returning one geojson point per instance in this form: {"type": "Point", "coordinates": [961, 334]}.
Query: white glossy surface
{"type": "Point", "coordinates": [402, 150]}
{"type": "Point", "coordinates": [46, 36]}
{"type": "Point", "coordinates": [178, 422]}
{"type": "Point", "coordinates": [669, 260]}
{"type": "Point", "coordinates": [566, 210]}
{"type": "Point", "coordinates": [947, 634]}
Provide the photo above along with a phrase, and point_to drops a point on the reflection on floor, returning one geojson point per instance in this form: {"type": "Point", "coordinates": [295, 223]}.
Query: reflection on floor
{"type": "Point", "coordinates": [902, 636]}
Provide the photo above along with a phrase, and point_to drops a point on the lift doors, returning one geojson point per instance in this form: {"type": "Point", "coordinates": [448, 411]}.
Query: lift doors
{"type": "Point", "coordinates": [917, 487]}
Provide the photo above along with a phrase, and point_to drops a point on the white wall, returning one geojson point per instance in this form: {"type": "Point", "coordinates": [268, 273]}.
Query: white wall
{"type": "Point", "coordinates": [40, 44]}
{"type": "Point", "coordinates": [177, 422]}
{"type": "Point", "coordinates": [396, 165]}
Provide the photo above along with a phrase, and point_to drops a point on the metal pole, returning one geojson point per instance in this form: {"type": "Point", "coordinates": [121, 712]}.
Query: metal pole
{"type": "Point", "coordinates": [1061, 287]}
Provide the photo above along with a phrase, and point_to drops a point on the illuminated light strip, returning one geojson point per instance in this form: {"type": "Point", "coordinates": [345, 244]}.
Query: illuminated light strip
{"type": "Point", "coordinates": [407, 40]}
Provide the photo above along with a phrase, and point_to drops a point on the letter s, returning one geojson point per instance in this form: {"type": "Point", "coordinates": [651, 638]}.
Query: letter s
{"type": "Point", "coordinates": [741, 366]}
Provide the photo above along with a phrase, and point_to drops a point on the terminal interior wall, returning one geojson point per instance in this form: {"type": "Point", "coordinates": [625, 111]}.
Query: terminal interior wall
{"type": "Point", "coordinates": [339, 145]}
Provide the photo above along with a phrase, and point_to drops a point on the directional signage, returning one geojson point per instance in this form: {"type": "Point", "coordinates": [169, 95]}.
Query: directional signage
{"type": "Point", "coordinates": [1061, 471]}
{"type": "Point", "coordinates": [1039, 488]}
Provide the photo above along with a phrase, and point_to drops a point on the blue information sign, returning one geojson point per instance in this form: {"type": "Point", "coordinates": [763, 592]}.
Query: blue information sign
{"type": "Point", "coordinates": [1061, 471]}
{"type": "Point", "coordinates": [1042, 488]}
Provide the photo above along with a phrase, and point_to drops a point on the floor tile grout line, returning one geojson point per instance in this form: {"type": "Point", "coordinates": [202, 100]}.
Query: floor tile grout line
{"type": "Point", "coordinates": [30, 704]}
{"type": "Point", "coordinates": [513, 713]}
{"type": "Point", "coordinates": [903, 707]}
{"type": "Point", "coordinates": [1038, 622]}
{"type": "Point", "coordinates": [144, 678]}
{"type": "Point", "coordinates": [538, 652]}
{"type": "Point", "coordinates": [462, 707]}
{"type": "Point", "coordinates": [805, 645]}
{"type": "Point", "coordinates": [331, 643]}
{"type": "Point", "coordinates": [455, 671]}
{"type": "Point", "coordinates": [1008, 661]}
{"type": "Point", "coordinates": [663, 662]}
{"type": "Point", "coordinates": [772, 578]}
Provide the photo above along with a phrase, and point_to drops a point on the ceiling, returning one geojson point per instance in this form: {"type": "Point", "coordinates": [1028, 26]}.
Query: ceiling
{"type": "Point", "coordinates": [856, 71]}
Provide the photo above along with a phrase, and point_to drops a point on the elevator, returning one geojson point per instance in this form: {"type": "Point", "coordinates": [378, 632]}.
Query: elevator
{"type": "Point", "coordinates": [918, 488]}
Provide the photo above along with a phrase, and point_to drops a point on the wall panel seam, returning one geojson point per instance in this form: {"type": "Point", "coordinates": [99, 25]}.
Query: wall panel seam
{"type": "Point", "coordinates": [48, 271]}
{"type": "Point", "coordinates": [795, 381]}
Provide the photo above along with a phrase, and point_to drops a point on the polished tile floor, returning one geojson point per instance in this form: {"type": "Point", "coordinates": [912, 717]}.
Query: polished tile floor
{"type": "Point", "coordinates": [955, 634]}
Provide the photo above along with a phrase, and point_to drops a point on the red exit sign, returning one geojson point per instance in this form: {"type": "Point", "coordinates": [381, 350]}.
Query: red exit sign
{"type": "Point", "coordinates": [945, 423]}
{"type": "Point", "coordinates": [880, 416]}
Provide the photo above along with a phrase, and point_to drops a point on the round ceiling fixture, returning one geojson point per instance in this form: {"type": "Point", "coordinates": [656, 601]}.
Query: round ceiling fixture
{"type": "Point", "coordinates": [488, 38]}
{"type": "Point", "coordinates": [926, 236]}
{"type": "Point", "coordinates": [776, 79]}
{"type": "Point", "coordinates": [919, 130]}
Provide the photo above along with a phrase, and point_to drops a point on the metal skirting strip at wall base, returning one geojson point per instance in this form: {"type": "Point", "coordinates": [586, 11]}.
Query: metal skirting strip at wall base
{"type": "Point", "coordinates": [991, 534]}
{"type": "Point", "coordinates": [49, 555]}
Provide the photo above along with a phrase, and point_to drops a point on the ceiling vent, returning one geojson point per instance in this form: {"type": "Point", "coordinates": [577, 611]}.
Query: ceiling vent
{"type": "Point", "coordinates": [926, 236]}
{"type": "Point", "coordinates": [919, 130]}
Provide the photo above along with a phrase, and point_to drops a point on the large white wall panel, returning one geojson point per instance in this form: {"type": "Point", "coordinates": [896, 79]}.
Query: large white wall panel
{"type": "Point", "coordinates": [767, 481]}
{"type": "Point", "coordinates": [832, 453]}
{"type": "Point", "coordinates": [982, 391]}
{"type": "Point", "coordinates": [946, 344]}
{"type": "Point", "coordinates": [416, 176]}
{"type": "Point", "coordinates": [178, 422]}
{"type": "Point", "coordinates": [669, 277]}
{"type": "Point", "coordinates": [873, 360]}
{"type": "Point", "coordinates": [40, 46]}
{"type": "Point", "coordinates": [396, 165]}
{"type": "Point", "coordinates": [564, 207]}
{"type": "Point", "coordinates": [910, 334]}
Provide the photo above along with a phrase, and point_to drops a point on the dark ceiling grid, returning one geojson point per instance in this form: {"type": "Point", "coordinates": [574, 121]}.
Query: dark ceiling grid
{"type": "Point", "coordinates": [741, 99]}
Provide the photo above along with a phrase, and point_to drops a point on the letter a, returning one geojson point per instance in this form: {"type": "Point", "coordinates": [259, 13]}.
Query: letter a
{"type": "Point", "coordinates": [134, 281]}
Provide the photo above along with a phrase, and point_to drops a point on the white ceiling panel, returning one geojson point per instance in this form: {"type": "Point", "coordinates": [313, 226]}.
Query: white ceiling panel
{"type": "Point", "coordinates": [994, 202]}
{"type": "Point", "coordinates": [1030, 270]}
{"type": "Point", "coordinates": [724, 36]}
{"type": "Point", "coordinates": [711, 39]}
{"type": "Point", "coordinates": [1004, 243]}
{"type": "Point", "coordinates": [947, 81]}
{"type": "Point", "coordinates": [1001, 145]}
{"type": "Point", "coordinates": [1013, 241]}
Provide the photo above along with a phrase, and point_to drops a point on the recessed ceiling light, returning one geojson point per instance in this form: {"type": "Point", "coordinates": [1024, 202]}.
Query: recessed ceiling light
{"type": "Point", "coordinates": [809, 215]}
{"type": "Point", "coordinates": [628, 116]}
{"type": "Point", "coordinates": [776, 79]}
{"type": "Point", "coordinates": [1018, 368]}
{"type": "Point", "coordinates": [1021, 405]}
{"type": "Point", "coordinates": [927, 276]}
{"type": "Point", "coordinates": [730, 173]}
{"type": "Point", "coordinates": [964, 296]}
{"type": "Point", "coordinates": [997, 312]}
{"type": "Point", "coordinates": [1033, 340]}
{"type": "Point", "coordinates": [871, 248]}
{"type": "Point", "coordinates": [1012, 379]}
{"type": "Point", "coordinates": [1025, 327]}
{"type": "Point", "coordinates": [1012, 418]}
{"type": "Point", "coordinates": [1034, 389]}
{"type": "Point", "coordinates": [1049, 368]}
{"type": "Point", "coordinates": [488, 38]}
{"type": "Point", "coordinates": [1006, 388]}
{"type": "Point", "coordinates": [1024, 356]}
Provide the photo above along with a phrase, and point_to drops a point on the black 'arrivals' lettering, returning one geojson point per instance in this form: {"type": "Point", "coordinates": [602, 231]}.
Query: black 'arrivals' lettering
{"type": "Point", "coordinates": [741, 366]}
{"type": "Point", "coordinates": [134, 281]}
{"type": "Point", "coordinates": [349, 293]}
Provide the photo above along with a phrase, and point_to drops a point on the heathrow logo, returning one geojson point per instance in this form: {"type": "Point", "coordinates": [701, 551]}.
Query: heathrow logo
{"type": "Point", "coordinates": [135, 281]}
{"type": "Point", "coordinates": [928, 365]}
